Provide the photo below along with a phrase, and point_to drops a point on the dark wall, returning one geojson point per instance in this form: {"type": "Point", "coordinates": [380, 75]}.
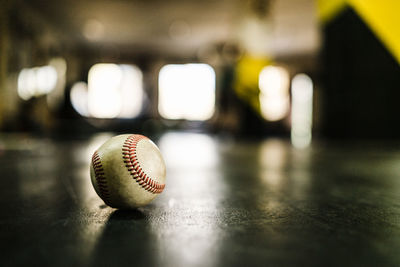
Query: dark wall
{"type": "Point", "coordinates": [361, 82]}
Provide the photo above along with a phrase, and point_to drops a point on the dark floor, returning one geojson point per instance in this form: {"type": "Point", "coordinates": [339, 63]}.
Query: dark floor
{"type": "Point", "coordinates": [227, 203]}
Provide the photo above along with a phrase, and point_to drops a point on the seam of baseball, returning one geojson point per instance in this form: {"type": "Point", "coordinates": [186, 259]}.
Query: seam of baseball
{"type": "Point", "coordinates": [131, 161]}
{"type": "Point", "coordinates": [100, 176]}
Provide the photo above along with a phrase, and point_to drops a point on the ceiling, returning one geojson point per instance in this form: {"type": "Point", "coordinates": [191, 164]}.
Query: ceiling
{"type": "Point", "coordinates": [184, 27]}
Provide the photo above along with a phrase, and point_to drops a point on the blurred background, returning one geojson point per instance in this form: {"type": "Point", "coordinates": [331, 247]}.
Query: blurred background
{"type": "Point", "coordinates": [278, 121]}
{"type": "Point", "coordinates": [299, 69]}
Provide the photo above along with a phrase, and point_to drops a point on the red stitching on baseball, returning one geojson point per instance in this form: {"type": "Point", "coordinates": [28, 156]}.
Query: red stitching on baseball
{"type": "Point", "coordinates": [99, 175]}
{"type": "Point", "coordinates": [132, 163]}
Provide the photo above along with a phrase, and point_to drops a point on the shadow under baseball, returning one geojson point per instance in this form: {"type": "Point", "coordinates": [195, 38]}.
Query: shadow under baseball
{"type": "Point", "coordinates": [126, 233]}
{"type": "Point", "coordinates": [126, 215]}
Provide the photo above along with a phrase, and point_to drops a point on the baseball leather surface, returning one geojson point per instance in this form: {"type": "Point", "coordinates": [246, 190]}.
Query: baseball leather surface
{"type": "Point", "coordinates": [128, 171]}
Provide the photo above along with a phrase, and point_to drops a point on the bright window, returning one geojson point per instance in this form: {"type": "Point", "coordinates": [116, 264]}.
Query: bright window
{"type": "Point", "coordinates": [186, 91]}
{"type": "Point", "coordinates": [114, 91]}
{"type": "Point", "coordinates": [36, 81]}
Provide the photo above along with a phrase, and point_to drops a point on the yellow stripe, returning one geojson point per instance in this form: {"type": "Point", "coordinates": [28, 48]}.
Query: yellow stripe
{"type": "Point", "coordinates": [246, 82]}
{"type": "Point", "coordinates": [328, 9]}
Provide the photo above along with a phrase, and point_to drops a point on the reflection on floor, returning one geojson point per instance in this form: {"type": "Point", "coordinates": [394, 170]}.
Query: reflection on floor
{"type": "Point", "coordinates": [226, 202]}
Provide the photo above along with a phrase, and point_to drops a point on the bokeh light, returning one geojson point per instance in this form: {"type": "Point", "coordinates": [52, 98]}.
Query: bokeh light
{"type": "Point", "coordinates": [187, 91]}
{"type": "Point", "coordinates": [79, 98]}
{"type": "Point", "coordinates": [302, 102]}
{"type": "Point", "coordinates": [37, 81]}
{"type": "Point", "coordinates": [274, 93]}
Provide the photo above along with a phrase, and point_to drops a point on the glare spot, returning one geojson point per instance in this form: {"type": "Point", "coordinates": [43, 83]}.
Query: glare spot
{"type": "Point", "coordinates": [274, 93]}
{"type": "Point", "coordinates": [302, 101]}
{"type": "Point", "coordinates": [187, 91]}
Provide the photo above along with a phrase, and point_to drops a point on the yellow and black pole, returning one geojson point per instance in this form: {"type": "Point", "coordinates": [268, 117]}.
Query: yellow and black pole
{"type": "Point", "coordinates": [360, 68]}
{"type": "Point", "coordinates": [382, 17]}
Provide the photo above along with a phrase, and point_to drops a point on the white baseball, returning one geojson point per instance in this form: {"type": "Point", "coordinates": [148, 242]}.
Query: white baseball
{"type": "Point", "coordinates": [128, 171]}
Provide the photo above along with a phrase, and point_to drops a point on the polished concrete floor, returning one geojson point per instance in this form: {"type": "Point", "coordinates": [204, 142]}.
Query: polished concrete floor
{"type": "Point", "coordinates": [227, 203]}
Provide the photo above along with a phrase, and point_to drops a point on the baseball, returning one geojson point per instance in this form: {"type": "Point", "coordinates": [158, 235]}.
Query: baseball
{"type": "Point", "coordinates": [128, 171]}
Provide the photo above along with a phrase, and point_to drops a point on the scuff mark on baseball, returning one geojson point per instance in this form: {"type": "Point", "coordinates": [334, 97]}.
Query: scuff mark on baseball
{"type": "Point", "coordinates": [128, 171]}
